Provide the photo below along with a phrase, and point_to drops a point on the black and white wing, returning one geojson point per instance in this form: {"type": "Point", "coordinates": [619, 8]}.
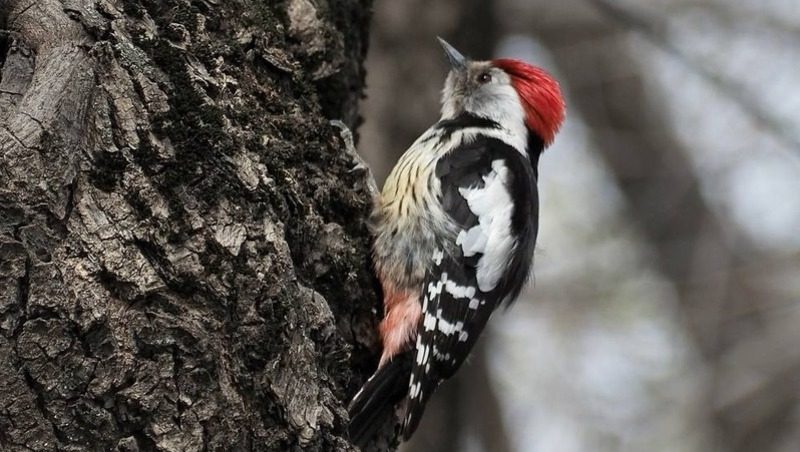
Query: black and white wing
{"type": "Point", "coordinates": [488, 189]}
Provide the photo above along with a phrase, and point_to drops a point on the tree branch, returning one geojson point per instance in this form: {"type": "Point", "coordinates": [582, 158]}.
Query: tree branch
{"type": "Point", "coordinates": [653, 30]}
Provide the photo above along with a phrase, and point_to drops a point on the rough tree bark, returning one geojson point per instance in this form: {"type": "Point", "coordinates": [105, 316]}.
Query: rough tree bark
{"type": "Point", "coordinates": [183, 252]}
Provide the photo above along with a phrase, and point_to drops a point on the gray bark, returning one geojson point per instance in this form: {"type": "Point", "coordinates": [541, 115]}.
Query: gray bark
{"type": "Point", "coordinates": [183, 251]}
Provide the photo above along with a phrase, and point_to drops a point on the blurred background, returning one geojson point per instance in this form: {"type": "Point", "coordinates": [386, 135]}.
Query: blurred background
{"type": "Point", "coordinates": [664, 313]}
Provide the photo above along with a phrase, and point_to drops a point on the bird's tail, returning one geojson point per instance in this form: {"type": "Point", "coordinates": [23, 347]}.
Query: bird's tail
{"type": "Point", "coordinates": [374, 403]}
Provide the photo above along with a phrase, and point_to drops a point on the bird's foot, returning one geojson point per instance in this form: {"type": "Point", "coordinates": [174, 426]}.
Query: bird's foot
{"type": "Point", "coordinates": [360, 165]}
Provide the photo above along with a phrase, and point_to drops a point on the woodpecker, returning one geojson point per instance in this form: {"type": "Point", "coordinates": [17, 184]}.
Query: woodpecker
{"type": "Point", "coordinates": [455, 227]}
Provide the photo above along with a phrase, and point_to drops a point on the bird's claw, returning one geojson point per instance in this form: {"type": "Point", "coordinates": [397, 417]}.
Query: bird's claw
{"type": "Point", "coordinates": [360, 165]}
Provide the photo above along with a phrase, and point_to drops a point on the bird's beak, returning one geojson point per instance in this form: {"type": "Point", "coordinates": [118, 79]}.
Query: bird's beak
{"type": "Point", "coordinates": [457, 60]}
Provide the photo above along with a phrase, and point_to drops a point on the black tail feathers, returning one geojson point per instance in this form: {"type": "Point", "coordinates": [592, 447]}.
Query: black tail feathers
{"type": "Point", "coordinates": [374, 404]}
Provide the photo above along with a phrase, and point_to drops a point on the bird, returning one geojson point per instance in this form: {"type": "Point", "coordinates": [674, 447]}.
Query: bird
{"type": "Point", "coordinates": [455, 228]}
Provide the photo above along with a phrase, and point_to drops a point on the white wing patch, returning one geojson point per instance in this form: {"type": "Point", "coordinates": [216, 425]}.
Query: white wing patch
{"type": "Point", "coordinates": [472, 241]}
{"type": "Point", "coordinates": [492, 237]}
{"type": "Point", "coordinates": [438, 255]}
{"type": "Point", "coordinates": [458, 291]}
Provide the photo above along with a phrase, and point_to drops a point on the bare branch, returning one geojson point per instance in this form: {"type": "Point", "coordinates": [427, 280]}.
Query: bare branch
{"type": "Point", "coordinates": [653, 29]}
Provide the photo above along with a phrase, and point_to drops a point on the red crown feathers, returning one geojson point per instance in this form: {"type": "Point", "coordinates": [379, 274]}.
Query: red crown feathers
{"type": "Point", "coordinates": [540, 95]}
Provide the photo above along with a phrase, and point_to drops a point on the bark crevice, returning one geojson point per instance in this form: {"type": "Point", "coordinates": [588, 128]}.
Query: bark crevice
{"type": "Point", "coordinates": [186, 245]}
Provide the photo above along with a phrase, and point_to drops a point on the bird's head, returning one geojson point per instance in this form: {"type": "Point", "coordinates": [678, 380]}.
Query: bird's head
{"type": "Point", "coordinates": [505, 90]}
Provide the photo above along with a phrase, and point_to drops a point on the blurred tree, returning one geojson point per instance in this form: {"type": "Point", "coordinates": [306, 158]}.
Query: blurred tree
{"type": "Point", "coordinates": [700, 255]}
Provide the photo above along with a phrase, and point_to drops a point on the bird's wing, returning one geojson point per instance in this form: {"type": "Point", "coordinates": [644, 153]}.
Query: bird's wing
{"type": "Point", "coordinates": [488, 190]}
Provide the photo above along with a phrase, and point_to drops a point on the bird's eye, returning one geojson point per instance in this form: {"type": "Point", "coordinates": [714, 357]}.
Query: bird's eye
{"type": "Point", "coordinates": [485, 77]}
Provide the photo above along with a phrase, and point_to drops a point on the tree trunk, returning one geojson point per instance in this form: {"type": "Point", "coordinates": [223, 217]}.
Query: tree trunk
{"type": "Point", "coordinates": [183, 251]}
